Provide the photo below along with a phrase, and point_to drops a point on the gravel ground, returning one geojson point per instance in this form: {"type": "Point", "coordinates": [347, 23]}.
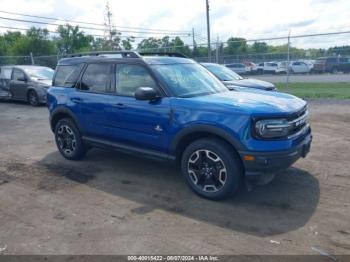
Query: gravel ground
{"type": "Point", "coordinates": [111, 203]}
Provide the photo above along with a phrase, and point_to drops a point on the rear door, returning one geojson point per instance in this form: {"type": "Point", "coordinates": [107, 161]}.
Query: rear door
{"type": "Point", "coordinates": [18, 84]}
{"type": "Point", "coordinates": [95, 99]}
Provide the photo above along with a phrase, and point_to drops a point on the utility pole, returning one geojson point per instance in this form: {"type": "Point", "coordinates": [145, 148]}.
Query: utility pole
{"type": "Point", "coordinates": [193, 41]}
{"type": "Point", "coordinates": [208, 30]}
{"type": "Point", "coordinates": [32, 58]}
{"type": "Point", "coordinates": [217, 50]}
{"type": "Point", "coordinates": [108, 22]}
{"type": "Point", "coordinates": [288, 60]}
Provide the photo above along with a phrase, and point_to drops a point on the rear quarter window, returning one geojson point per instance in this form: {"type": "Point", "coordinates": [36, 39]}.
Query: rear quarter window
{"type": "Point", "coordinates": [67, 75]}
{"type": "Point", "coordinates": [5, 73]}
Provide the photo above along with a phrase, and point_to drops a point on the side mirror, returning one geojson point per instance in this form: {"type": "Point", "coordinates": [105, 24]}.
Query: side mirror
{"type": "Point", "coordinates": [23, 79]}
{"type": "Point", "coordinates": [146, 93]}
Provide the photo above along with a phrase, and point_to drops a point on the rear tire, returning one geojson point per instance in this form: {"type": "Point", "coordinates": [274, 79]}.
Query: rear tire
{"type": "Point", "coordinates": [211, 168]}
{"type": "Point", "coordinates": [68, 140]}
{"type": "Point", "coordinates": [33, 98]}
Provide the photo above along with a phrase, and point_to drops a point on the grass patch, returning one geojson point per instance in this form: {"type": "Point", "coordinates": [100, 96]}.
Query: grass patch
{"type": "Point", "coordinates": [317, 90]}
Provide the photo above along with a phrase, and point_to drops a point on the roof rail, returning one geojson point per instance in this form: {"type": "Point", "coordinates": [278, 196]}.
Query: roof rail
{"type": "Point", "coordinates": [124, 54]}
{"type": "Point", "coordinates": [170, 54]}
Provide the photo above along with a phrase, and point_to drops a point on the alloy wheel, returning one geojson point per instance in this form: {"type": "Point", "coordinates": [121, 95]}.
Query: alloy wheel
{"type": "Point", "coordinates": [66, 140]}
{"type": "Point", "coordinates": [207, 171]}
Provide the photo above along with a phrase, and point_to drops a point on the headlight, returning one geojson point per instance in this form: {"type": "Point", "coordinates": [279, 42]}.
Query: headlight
{"type": "Point", "coordinates": [272, 128]}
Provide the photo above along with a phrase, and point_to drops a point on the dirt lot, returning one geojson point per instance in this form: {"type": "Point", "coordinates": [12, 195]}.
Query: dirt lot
{"type": "Point", "coordinates": [111, 203]}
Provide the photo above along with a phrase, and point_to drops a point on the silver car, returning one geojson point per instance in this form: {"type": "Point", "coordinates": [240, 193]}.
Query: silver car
{"type": "Point", "coordinates": [26, 83]}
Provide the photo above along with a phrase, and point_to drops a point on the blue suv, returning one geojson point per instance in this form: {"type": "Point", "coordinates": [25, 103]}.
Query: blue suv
{"type": "Point", "coordinates": [172, 108]}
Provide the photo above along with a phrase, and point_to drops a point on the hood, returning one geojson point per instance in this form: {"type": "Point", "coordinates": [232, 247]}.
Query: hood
{"type": "Point", "coordinates": [251, 83]}
{"type": "Point", "coordinates": [257, 102]}
{"type": "Point", "coordinates": [47, 82]}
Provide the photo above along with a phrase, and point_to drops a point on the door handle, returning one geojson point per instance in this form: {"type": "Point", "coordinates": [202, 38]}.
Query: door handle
{"type": "Point", "coordinates": [76, 100]}
{"type": "Point", "coordinates": [120, 106]}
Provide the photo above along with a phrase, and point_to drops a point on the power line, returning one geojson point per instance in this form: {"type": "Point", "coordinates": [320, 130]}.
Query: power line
{"type": "Point", "coordinates": [55, 32]}
{"type": "Point", "coordinates": [89, 23]}
{"type": "Point", "coordinates": [89, 28]}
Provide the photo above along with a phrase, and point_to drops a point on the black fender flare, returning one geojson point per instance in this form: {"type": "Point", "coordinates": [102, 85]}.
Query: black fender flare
{"type": "Point", "coordinates": [65, 111]}
{"type": "Point", "coordinates": [217, 131]}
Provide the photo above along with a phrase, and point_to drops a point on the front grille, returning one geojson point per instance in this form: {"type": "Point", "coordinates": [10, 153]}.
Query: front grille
{"type": "Point", "coordinates": [299, 122]}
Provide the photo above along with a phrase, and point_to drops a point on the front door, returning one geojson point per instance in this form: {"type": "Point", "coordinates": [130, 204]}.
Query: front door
{"type": "Point", "coordinates": [18, 84]}
{"type": "Point", "coordinates": [138, 123]}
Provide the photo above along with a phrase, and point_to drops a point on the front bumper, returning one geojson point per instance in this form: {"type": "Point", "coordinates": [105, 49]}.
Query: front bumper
{"type": "Point", "coordinates": [262, 164]}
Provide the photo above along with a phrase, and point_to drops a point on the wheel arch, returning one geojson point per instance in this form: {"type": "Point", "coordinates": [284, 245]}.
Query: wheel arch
{"type": "Point", "coordinates": [30, 89]}
{"type": "Point", "coordinates": [190, 134]}
{"type": "Point", "coordinates": [61, 113]}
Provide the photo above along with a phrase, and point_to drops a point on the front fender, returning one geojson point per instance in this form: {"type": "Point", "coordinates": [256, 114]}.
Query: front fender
{"type": "Point", "coordinates": [58, 112]}
{"type": "Point", "coordinates": [217, 131]}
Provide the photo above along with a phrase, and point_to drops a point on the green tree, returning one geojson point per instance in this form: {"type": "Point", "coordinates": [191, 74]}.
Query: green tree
{"type": "Point", "coordinates": [259, 47]}
{"type": "Point", "coordinates": [236, 45]}
{"type": "Point", "coordinates": [150, 44]}
{"type": "Point", "coordinates": [71, 40]}
{"type": "Point", "coordinates": [127, 43]}
{"type": "Point", "coordinates": [36, 41]}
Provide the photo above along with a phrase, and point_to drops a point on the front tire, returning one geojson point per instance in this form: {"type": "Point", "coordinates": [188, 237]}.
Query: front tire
{"type": "Point", "coordinates": [212, 168]}
{"type": "Point", "coordinates": [68, 140]}
{"type": "Point", "coordinates": [33, 98]}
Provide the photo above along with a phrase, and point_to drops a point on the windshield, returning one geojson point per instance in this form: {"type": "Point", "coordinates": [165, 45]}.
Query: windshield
{"type": "Point", "coordinates": [223, 73]}
{"type": "Point", "coordinates": [40, 73]}
{"type": "Point", "coordinates": [187, 80]}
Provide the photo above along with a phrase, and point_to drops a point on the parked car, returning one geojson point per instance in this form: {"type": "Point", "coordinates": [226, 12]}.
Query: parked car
{"type": "Point", "coordinates": [266, 68]}
{"type": "Point", "coordinates": [26, 83]}
{"type": "Point", "coordinates": [299, 67]}
{"type": "Point", "coordinates": [249, 66]}
{"type": "Point", "coordinates": [234, 81]}
{"type": "Point", "coordinates": [238, 68]}
{"type": "Point", "coordinates": [332, 65]}
{"type": "Point", "coordinates": [172, 108]}
{"type": "Point", "coordinates": [310, 63]}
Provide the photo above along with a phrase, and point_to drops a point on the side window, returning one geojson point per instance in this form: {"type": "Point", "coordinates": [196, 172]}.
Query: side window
{"type": "Point", "coordinates": [130, 77]}
{"type": "Point", "coordinates": [67, 75]}
{"type": "Point", "coordinates": [261, 64]}
{"type": "Point", "coordinates": [96, 78]}
{"type": "Point", "coordinates": [5, 73]}
{"type": "Point", "coordinates": [17, 74]}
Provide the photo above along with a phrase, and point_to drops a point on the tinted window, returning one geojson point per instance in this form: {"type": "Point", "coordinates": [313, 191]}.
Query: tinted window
{"type": "Point", "coordinates": [344, 60]}
{"type": "Point", "coordinates": [271, 64]}
{"type": "Point", "coordinates": [5, 73]}
{"type": "Point", "coordinates": [130, 77]}
{"type": "Point", "coordinates": [96, 78]}
{"type": "Point", "coordinates": [17, 74]}
{"type": "Point", "coordinates": [67, 76]}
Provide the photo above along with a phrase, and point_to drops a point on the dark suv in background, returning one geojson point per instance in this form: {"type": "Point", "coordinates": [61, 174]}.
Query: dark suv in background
{"type": "Point", "coordinates": [332, 65]}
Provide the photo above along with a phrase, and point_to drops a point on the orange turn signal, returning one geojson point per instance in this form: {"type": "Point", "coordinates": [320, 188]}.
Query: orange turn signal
{"type": "Point", "coordinates": [249, 158]}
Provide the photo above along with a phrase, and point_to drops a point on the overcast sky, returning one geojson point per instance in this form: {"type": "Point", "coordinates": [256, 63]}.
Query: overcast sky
{"type": "Point", "coordinates": [244, 18]}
